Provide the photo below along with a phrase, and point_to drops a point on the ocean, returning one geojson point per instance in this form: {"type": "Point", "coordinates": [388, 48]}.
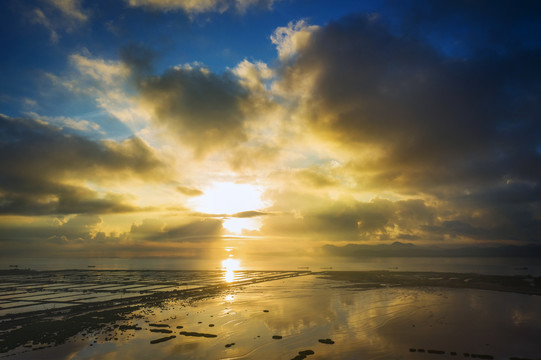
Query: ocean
{"type": "Point", "coordinates": [485, 265]}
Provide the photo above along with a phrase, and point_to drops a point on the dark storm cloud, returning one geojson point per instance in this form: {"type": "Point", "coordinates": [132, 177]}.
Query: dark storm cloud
{"type": "Point", "coordinates": [40, 164]}
{"type": "Point", "coordinates": [426, 122]}
{"type": "Point", "coordinates": [203, 110]}
{"type": "Point", "coordinates": [417, 108]}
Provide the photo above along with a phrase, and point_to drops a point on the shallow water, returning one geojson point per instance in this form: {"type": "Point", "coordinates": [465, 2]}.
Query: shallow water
{"type": "Point", "coordinates": [374, 324]}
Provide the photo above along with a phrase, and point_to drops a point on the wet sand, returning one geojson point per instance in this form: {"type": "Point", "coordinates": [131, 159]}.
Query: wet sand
{"type": "Point", "coordinates": [368, 315]}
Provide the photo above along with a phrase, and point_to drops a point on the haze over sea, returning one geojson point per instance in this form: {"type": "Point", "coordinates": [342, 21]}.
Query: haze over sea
{"type": "Point", "coordinates": [491, 265]}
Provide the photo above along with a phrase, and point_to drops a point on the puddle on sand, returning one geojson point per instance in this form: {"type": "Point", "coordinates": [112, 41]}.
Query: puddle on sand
{"type": "Point", "coordinates": [375, 324]}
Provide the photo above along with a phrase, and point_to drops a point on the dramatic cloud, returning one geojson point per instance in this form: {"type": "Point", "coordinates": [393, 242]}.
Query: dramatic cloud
{"type": "Point", "coordinates": [204, 110]}
{"type": "Point", "coordinates": [85, 236]}
{"type": "Point", "coordinates": [417, 123]}
{"type": "Point", "coordinates": [419, 116]}
{"type": "Point", "coordinates": [44, 170]}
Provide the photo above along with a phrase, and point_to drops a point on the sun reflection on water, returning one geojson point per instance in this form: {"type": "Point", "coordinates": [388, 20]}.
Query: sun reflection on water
{"type": "Point", "coordinates": [230, 266]}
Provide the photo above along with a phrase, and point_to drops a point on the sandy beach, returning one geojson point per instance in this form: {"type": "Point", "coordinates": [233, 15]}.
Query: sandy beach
{"type": "Point", "coordinates": [281, 315]}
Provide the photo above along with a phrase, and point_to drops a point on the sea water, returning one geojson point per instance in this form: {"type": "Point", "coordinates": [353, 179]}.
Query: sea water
{"type": "Point", "coordinates": [485, 265]}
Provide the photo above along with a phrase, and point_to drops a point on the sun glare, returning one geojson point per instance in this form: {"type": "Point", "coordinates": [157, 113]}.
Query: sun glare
{"type": "Point", "coordinates": [236, 225]}
{"type": "Point", "coordinates": [230, 266]}
{"type": "Point", "coordinates": [226, 198]}
{"type": "Point", "coordinates": [229, 198]}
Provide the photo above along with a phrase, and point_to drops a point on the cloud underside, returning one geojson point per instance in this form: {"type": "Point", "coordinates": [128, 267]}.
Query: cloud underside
{"type": "Point", "coordinates": [459, 135]}
{"type": "Point", "coordinates": [82, 235]}
{"type": "Point", "coordinates": [45, 170]}
{"type": "Point", "coordinates": [204, 110]}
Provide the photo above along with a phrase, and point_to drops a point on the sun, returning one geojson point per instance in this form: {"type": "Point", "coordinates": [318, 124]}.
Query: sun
{"type": "Point", "coordinates": [231, 264]}
{"type": "Point", "coordinates": [227, 198]}
{"type": "Point", "coordinates": [230, 198]}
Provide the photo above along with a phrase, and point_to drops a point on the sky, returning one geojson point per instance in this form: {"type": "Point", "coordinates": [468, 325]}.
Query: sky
{"type": "Point", "coordinates": [263, 129]}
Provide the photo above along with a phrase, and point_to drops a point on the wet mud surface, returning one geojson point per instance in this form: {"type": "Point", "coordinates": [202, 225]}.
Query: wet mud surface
{"type": "Point", "coordinates": [275, 315]}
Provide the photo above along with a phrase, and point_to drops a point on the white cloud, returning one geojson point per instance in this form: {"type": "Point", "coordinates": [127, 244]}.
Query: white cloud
{"type": "Point", "coordinates": [253, 75]}
{"type": "Point", "coordinates": [292, 38]}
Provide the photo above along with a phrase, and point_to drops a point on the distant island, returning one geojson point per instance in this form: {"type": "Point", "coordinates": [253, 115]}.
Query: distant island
{"type": "Point", "coordinates": [399, 249]}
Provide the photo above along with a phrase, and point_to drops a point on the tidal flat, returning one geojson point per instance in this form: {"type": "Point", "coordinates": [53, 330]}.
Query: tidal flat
{"type": "Point", "coordinates": [268, 315]}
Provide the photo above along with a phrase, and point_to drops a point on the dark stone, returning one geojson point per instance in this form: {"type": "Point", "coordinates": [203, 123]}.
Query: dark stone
{"type": "Point", "coordinates": [196, 334]}
{"type": "Point", "coordinates": [277, 337]}
{"type": "Point", "coordinates": [129, 327]}
{"type": "Point", "coordinates": [157, 341]}
{"type": "Point", "coordinates": [326, 341]}
{"type": "Point", "coordinates": [159, 325]}
{"type": "Point", "coordinates": [306, 352]}
{"type": "Point", "coordinates": [163, 331]}
{"type": "Point", "coordinates": [439, 352]}
{"type": "Point", "coordinates": [482, 356]}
